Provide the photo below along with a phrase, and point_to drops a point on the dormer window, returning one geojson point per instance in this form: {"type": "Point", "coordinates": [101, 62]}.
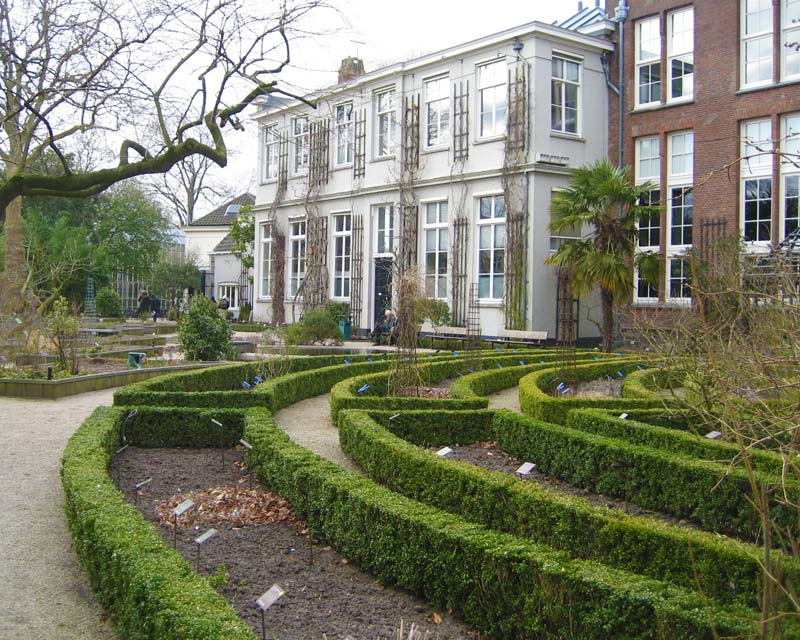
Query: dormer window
{"type": "Point", "coordinates": [233, 209]}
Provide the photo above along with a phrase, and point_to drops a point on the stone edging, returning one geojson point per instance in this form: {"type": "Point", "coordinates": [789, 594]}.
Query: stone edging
{"type": "Point", "coordinates": [51, 389]}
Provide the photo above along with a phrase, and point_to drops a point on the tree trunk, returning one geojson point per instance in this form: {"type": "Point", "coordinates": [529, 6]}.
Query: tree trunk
{"type": "Point", "coordinates": [13, 278]}
{"type": "Point", "coordinates": [607, 301]}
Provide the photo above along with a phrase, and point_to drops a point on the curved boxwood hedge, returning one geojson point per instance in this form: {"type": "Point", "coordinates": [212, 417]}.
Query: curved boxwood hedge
{"type": "Point", "coordinates": [505, 586]}
{"type": "Point", "coordinates": [727, 569]}
{"type": "Point", "coordinates": [149, 590]}
{"type": "Point", "coordinates": [708, 493]}
{"type": "Point", "coordinates": [536, 402]}
{"type": "Point", "coordinates": [680, 442]}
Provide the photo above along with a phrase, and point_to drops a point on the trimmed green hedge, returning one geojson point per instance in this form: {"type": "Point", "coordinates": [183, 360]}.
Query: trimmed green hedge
{"type": "Point", "coordinates": [506, 586]}
{"type": "Point", "coordinates": [436, 428]}
{"type": "Point", "coordinates": [535, 401]}
{"type": "Point", "coordinates": [184, 427]}
{"type": "Point", "coordinates": [678, 442]}
{"type": "Point", "coordinates": [705, 492]}
{"type": "Point", "coordinates": [149, 590]}
{"type": "Point", "coordinates": [222, 386]}
{"type": "Point", "coordinates": [727, 569]}
{"type": "Point", "coordinates": [483, 383]}
{"type": "Point", "coordinates": [345, 394]}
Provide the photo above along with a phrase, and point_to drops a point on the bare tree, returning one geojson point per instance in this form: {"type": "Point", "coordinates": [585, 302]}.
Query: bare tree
{"type": "Point", "coordinates": [109, 69]}
{"type": "Point", "coordinates": [190, 184]}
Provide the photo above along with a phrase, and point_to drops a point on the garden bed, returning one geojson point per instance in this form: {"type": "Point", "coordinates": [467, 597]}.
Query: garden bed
{"type": "Point", "coordinates": [330, 596]}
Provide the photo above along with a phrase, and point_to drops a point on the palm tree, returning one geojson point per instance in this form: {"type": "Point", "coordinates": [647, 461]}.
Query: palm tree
{"type": "Point", "coordinates": [603, 196]}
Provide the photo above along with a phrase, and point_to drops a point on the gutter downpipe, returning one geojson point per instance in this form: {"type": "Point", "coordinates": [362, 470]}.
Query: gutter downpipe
{"type": "Point", "coordinates": [620, 16]}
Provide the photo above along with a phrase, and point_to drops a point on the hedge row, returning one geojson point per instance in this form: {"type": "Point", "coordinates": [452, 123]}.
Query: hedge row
{"type": "Point", "coordinates": [728, 570]}
{"type": "Point", "coordinates": [221, 386]}
{"type": "Point", "coordinates": [708, 493]}
{"type": "Point", "coordinates": [648, 383]}
{"type": "Point", "coordinates": [536, 402]}
{"type": "Point", "coordinates": [149, 590]}
{"type": "Point", "coordinates": [505, 586]}
{"type": "Point", "coordinates": [183, 427]}
{"type": "Point", "coordinates": [678, 442]}
{"type": "Point", "coordinates": [483, 383]}
{"type": "Point", "coordinates": [437, 427]}
{"type": "Point", "coordinates": [346, 395]}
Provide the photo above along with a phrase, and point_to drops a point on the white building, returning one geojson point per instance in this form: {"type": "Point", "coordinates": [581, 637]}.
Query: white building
{"type": "Point", "coordinates": [448, 162]}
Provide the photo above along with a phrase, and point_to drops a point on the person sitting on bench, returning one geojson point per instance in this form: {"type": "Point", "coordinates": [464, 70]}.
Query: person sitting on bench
{"type": "Point", "coordinates": [385, 328]}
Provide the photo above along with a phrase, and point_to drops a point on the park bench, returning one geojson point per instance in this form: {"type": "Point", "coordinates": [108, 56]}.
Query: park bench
{"type": "Point", "coordinates": [519, 338]}
{"type": "Point", "coordinates": [449, 333]}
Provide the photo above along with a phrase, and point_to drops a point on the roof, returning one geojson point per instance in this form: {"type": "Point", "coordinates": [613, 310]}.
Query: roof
{"type": "Point", "coordinates": [558, 31]}
{"type": "Point", "coordinates": [225, 245]}
{"type": "Point", "coordinates": [585, 17]}
{"type": "Point", "coordinates": [218, 217]}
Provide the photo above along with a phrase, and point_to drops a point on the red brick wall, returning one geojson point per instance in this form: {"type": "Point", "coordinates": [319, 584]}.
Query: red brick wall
{"type": "Point", "coordinates": [715, 113]}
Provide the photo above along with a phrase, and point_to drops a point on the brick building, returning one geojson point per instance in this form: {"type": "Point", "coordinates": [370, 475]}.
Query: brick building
{"type": "Point", "coordinates": [710, 101]}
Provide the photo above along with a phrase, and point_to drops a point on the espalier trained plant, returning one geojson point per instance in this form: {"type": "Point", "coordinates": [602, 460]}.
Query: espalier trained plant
{"type": "Point", "coordinates": [202, 333]}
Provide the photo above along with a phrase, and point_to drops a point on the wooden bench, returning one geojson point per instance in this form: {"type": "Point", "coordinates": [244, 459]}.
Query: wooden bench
{"type": "Point", "coordinates": [523, 338]}
{"type": "Point", "coordinates": [449, 333]}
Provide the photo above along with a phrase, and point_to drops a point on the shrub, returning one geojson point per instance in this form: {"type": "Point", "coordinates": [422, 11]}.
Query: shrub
{"type": "Point", "coordinates": [149, 590]}
{"type": "Point", "coordinates": [63, 330]}
{"type": "Point", "coordinates": [728, 570]}
{"type": "Point", "coordinates": [108, 303]}
{"type": "Point", "coordinates": [316, 326]}
{"type": "Point", "coordinates": [202, 333]}
{"type": "Point", "coordinates": [335, 309]}
{"type": "Point", "coordinates": [508, 587]}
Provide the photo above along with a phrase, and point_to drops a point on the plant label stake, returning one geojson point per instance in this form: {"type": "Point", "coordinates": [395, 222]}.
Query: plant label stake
{"type": "Point", "coordinates": [623, 416]}
{"type": "Point", "coordinates": [199, 541]}
{"type": "Point", "coordinates": [526, 468]}
{"type": "Point", "coordinates": [269, 598]}
{"type": "Point", "coordinates": [444, 451]}
{"type": "Point", "coordinates": [222, 447]}
{"type": "Point", "coordinates": [714, 435]}
{"type": "Point", "coordinates": [249, 447]}
{"type": "Point", "coordinates": [139, 486]}
{"type": "Point", "coordinates": [182, 508]}
{"type": "Point", "coordinates": [119, 462]}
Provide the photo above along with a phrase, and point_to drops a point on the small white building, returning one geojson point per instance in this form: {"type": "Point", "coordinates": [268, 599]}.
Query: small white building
{"type": "Point", "coordinates": [208, 240]}
{"type": "Point", "coordinates": [447, 162]}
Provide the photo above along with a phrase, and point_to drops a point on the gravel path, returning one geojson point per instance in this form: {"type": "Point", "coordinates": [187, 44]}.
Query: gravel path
{"type": "Point", "coordinates": [505, 399]}
{"type": "Point", "coordinates": [43, 593]}
{"type": "Point", "coordinates": [309, 424]}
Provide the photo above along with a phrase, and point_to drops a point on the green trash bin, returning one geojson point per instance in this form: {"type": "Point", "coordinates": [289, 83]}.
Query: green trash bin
{"type": "Point", "coordinates": [135, 359]}
{"type": "Point", "coordinates": [346, 327]}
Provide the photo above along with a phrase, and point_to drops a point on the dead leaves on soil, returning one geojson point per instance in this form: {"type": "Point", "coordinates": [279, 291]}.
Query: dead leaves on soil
{"type": "Point", "coordinates": [234, 506]}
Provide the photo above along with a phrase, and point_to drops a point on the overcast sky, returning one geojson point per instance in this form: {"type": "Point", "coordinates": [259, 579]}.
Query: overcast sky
{"type": "Point", "coordinates": [385, 31]}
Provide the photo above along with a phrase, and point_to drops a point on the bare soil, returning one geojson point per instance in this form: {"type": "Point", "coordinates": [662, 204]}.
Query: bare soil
{"type": "Point", "coordinates": [327, 596]}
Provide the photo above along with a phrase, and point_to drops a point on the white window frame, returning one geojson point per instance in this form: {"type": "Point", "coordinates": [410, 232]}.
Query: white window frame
{"type": "Point", "coordinates": [300, 145]}
{"type": "Point", "coordinates": [492, 98]}
{"type": "Point", "coordinates": [297, 255]}
{"type": "Point", "coordinates": [342, 225]}
{"type": "Point", "coordinates": [266, 259]}
{"type": "Point", "coordinates": [386, 123]}
{"type": "Point", "coordinates": [437, 92]}
{"type": "Point", "coordinates": [752, 34]}
{"type": "Point", "coordinates": [641, 61]}
{"type": "Point", "coordinates": [756, 167]}
{"type": "Point", "coordinates": [680, 52]}
{"type": "Point", "coordinates": [682, 281]}
{"type": "Point", "coordinates": [270, 145]}
{"type": "Point", "coordinates": [495, 224]}
{"type": "Point", "coordinates": [229, 290]}
{"type": "Point", "coordinates": [790, 32]}
{"type": "Point", "coordinates": [344, 123]}
{"type": "Point", "coordinates": [647, 169]}
{"type": "Point", "coordinates": [436, 227]}
{"type": "Point", "coordinates": [385, 235]}
{"type": "Point", "coordinates": [559, 85]}
{"type": "Point", "coordinates": [790, 170]}
{"type": "Point", "coordinates": [679, 178]}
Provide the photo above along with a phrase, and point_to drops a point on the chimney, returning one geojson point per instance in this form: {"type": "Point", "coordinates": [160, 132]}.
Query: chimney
{"type": "Point", "coordinates": [580, 6]}
{"type": "Point", "coordinates": [351, 68]}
